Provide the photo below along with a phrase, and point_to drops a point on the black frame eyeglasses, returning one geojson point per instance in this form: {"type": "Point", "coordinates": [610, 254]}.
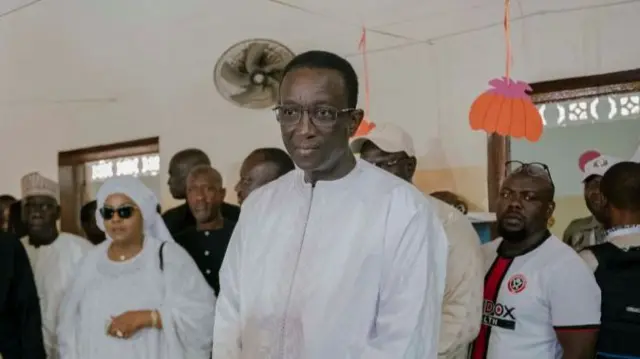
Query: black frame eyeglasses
{"type": "Point", "coordinates": [320, 115]}
{"type": "Point", "coordinates": [536, 169]}
{"type": "Point", "coordinates": [124, 212]}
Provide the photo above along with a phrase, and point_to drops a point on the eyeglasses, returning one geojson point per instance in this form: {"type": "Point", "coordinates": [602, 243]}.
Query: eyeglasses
{"type": "Point", "coordinates": [536, 169]}
{"type": "Point", "coordinates": [123, 212]}
{"type": "Point", "coordinates": [321, 115]}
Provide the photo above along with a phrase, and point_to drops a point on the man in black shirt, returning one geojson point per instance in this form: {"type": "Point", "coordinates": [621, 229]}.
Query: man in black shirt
{"type": "Point", "coordinates": [180, 218]}
{"type": "Point", "coordinates": [20, 321]}
{"type": "Point", "coordinates": [206, 242]}
{"type": "Point", "coordinates": [89, 225]}
{"type": "Point", "coordinates": [262, 166]}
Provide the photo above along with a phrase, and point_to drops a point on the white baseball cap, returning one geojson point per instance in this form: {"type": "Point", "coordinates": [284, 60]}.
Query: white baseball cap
{"type": "Point", "coordinates": [599, 166]}
{"type": "Point", "coordinates": [388, 137]}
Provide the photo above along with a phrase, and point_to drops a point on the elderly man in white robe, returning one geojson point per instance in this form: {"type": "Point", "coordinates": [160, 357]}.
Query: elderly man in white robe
{"type": "Point", "coordinates": [337, 259]}
{"type": "Point", "coordinates": [53, 255]}
{"type": "Point", "coordinates": [138, 294]}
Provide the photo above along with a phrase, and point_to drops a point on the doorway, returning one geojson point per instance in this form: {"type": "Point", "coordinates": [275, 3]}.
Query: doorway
{"type": "Point", "coordinates": [81, 172]}
{"type": "Point", "coordinates": [600, 112]}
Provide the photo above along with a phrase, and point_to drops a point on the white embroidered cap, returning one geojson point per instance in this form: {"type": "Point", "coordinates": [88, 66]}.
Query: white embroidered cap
{"type": "Point", "coordinates": [35, 184]}
{"type": "Point", "coordinates": [599, 166]}
{"type": "Point", "coordinates": [388, 137]}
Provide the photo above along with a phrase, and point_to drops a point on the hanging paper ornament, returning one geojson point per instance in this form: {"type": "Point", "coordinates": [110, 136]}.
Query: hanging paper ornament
{"type": "Point", "coordinates": [506, 108]}
{"type": "Point", "coordinates": [365, 126]}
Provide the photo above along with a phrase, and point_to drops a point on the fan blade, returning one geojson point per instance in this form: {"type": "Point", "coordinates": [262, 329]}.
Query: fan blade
{"type": "Point", "coordinates": [280, 65]}
{"type": "Point", "coordinates": [233, 76]}
{"type": "Point", "coordinates": [252, 93]}
{"type": "Point", "coordinates": [274, 86]}
{"type": "Point", "coordinates": [254, 53]}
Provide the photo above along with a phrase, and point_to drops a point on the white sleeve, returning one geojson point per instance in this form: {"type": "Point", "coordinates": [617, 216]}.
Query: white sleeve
{"type": "Point", "coordinates": [187, 312]}
{"type": "Point", "coordinates": [227, 329]}
{"type": "Point", "coordinates": [462, 307]}
{"type": "Point", "coordinates": [412, 287]}
{"type": "Point", "coordinates": [67, 324]}
{"type": "Point", "coordinates": [55, 294]}
{"type": "Point", "coordinates": [574, 295]}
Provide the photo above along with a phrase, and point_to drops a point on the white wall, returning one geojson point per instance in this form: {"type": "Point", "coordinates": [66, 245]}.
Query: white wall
{"type": "Point", "coordinates": [165, 88]}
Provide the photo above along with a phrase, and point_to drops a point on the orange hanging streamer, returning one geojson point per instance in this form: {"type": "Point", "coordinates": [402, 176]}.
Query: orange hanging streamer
{"type": "Point", "coordinates": [365, 126]}
{"type": "Point", "coordinates": [506, 108]}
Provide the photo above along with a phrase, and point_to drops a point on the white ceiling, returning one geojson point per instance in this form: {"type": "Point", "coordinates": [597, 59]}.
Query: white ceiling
{"type": "Point", "coordinates": [86, 50]}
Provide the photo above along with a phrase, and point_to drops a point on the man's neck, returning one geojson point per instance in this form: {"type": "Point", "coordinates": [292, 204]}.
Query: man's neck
{"type": "Point", "coordinates": [512, 248]}
{"type": "Point", "coordinates": [212, 225]}
{"type": "Point", "coordinates": [346, 164]}
{"type": "Point", "coordinates": [43, 239]}
{"type": "Point", "coordinates": [625, 218]}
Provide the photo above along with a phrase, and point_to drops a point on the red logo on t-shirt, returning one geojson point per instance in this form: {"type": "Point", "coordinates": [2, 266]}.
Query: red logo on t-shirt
{"type": "Point", "coordinates": [517, 283]}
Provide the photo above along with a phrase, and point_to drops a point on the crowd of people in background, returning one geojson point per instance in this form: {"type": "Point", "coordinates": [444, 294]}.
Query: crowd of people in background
{"type": "Point", "coordinates": [334, 253]}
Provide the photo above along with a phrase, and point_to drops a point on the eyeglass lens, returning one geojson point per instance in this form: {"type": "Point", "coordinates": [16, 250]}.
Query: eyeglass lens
{"type": "Point", "coordinates": [123, 212]}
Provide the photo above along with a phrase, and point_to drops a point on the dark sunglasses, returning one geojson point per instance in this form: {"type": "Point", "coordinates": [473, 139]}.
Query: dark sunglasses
{"type": "Point", "coordinates": [123, 212]}
{"type": "Point", "coordinates": [536, 169]}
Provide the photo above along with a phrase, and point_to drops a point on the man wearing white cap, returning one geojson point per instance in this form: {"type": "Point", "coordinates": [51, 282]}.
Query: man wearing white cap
{"type": "Point", "coordinates": [53, 255]}
{"type": "Point", "coordinates": [589, 231]}
{"type": "Point", "coordinates": [391, 148]}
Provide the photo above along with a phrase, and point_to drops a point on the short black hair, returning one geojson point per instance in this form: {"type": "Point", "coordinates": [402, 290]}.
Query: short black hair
{"type": "Point", "coordinates": [7, 198]}
{"type": "Point", "coordinates": [195, 156]}
{"type": "Point", "coordinates": [317, 59]}
{"type": "Point", "coordinates": [276, 156]}
{"type": "Point", "coordinates": [621, 186]}
{"type": "Point", "coordinates": [87, 211]}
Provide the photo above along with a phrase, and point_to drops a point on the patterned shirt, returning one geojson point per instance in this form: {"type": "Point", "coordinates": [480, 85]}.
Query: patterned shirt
{"type": "Point", "coordinates": [583, 232]}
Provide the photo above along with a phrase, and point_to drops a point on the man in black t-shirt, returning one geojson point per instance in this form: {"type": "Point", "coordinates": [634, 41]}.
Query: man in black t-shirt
{"type": "Point", "coordinates": [180, 218]}
{"type": "Point", "coordinates": [206, 242]}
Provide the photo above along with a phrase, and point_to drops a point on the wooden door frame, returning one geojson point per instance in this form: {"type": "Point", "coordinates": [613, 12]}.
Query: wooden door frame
{"type": "Point", "coordinates": [71, 174]}
{"type": "Point", "coordinates": [499, 147]}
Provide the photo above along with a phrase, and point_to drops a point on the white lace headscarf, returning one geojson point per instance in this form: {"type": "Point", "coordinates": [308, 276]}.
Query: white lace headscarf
{"type": "Point", "coordinates": [143, 197]}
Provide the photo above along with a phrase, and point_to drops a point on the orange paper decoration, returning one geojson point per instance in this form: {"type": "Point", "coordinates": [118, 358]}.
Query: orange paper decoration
{"type": "Point", "coordinates": [365, 126]}
{"type": "Point", "coordinates": [506, 108]}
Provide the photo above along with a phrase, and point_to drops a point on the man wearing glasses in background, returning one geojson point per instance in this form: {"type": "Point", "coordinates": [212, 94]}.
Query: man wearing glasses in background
{"type": "Point", "coordinates": [391, 148]}
{"type": "Point", "coordinates": [336, 259]}
{"type": "Point", "coordinates": [540, 299]}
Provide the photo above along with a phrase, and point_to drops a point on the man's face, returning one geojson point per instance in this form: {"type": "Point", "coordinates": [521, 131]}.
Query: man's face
{"type": "Point", "coordinates": [254, 174]}
{"type": "Point", "coordinates": [91, 229]}
{"type": "Point", "coordinates": [40, 214]}
{"type": "Point", "coordinates": [178, 171]}
{"type": "Point", "coordinates": [593, 197]}
{"type": "Point", "coordinates": [397, 163]}
{"type": "Point", "coordinates": [524, 206]}
{"type": "Point", "coordinates": [320, 138]}
{"type": "Point", "coordinates": [204, 196]}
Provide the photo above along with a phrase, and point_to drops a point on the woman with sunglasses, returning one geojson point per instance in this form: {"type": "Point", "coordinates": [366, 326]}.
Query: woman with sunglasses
{"type": "Point", "coordinates": [138, 294]}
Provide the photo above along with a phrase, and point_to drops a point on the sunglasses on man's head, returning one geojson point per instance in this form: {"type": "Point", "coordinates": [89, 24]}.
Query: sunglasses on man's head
{"type": "Point", "coordinates": [536, 169]}
{"type": "Point", "coordinates": [123, 212]}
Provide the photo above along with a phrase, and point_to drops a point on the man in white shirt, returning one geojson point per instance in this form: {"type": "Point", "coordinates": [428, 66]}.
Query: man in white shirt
{"type": "Point", "coordinates": [391, 148]}
{"type": "Point", "coordinates": [336, 259]}
{"type": "Point", "coordinates": [53, 255]}
{"type": "Point", "coordinates": [540, 299]}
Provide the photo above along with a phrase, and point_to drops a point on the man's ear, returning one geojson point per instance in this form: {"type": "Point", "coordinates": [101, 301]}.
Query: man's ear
{"type": "Point", "coordinates": [551, 209]}
{"type": "Point", "coordinates": [412, 163]}
{"type": "Point", "coordinates": [355, 120]}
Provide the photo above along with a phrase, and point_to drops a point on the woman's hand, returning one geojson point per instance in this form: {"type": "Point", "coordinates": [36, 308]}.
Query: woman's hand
{"type": "Point", "coordinates": [127, 324]}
